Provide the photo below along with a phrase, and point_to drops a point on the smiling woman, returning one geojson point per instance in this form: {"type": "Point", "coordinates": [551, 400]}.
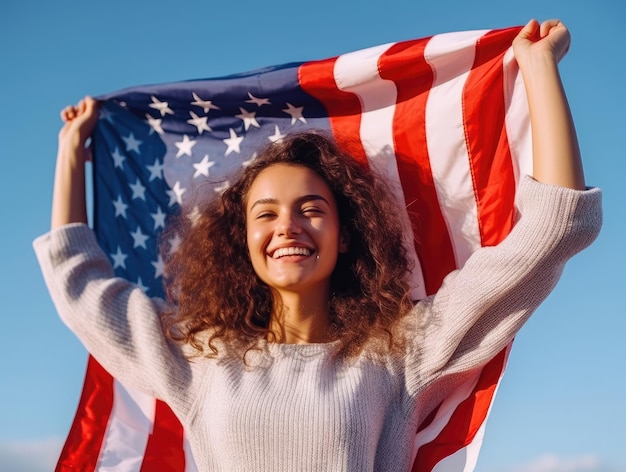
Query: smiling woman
{"type": "Point", "coordinates": [305, 231]}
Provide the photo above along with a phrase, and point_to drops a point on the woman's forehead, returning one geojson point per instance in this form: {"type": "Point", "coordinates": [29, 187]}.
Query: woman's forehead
{"type": "Point", "coordinates": [285, 181]}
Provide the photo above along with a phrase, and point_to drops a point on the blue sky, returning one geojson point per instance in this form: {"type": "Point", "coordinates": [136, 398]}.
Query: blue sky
{"type": "Point", "coordinates": [561, 406]}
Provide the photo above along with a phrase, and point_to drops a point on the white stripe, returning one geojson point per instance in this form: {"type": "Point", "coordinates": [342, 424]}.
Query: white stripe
{"type": "Point", "coordinates": [451, 57]}
{"type": "Point", "coordinates": [190, 464]}
{"type": "Point", "coordinates": [357, 73]}
{"type": "Point", "coordinates": [517, 118]}
{"type": "Point", "coordinates": [127, 433]}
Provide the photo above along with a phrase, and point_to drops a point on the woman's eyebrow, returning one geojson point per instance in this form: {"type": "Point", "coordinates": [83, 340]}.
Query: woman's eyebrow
{"type": "Point", "coordinates": [302, 199]}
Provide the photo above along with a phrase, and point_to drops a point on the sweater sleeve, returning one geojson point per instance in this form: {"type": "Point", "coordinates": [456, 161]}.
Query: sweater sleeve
{"type": "Point", "coordinates": [114, 319]}
{"type": "Point", "coordinates": [479, 308]}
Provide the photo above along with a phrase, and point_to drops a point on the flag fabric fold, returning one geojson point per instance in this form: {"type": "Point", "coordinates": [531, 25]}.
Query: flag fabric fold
{"type": "Point", "coordinates": [443, 118]}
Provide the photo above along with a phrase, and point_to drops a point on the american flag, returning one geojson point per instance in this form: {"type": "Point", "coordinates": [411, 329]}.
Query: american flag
{"type": "Point", "coordinates": [445, 118]}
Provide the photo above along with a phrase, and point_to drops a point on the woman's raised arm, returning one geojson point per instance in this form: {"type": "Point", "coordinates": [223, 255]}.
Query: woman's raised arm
{"type": "Point", "coordinates": [556, 155]}
{"type": "Point", "coordinates": [68, 199]}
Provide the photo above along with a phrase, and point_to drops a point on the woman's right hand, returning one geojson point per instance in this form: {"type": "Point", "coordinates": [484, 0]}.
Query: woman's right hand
{"type": "Point", "coordinates": [79, 122]}
{"type": "Point", "coordinates": [68, 199]}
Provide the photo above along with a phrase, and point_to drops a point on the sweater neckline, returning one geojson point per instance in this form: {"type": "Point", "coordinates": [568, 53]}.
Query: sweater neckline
{"type": "Point", "coordinates": [306, 348]}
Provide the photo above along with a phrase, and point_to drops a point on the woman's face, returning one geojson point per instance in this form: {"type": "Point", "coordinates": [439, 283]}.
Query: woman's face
{"type": "Point", "coordinates": [293, 229]}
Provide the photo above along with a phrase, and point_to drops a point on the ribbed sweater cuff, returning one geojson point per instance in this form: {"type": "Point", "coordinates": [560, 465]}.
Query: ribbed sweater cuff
{"type": "Point", "coordinates": [67, 240]}
{"type": "Point", "coordinates": [556, 208]}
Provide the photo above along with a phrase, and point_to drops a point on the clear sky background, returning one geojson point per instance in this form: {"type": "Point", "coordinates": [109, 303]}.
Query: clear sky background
{"type": "Point", "coordinates": [561, 406]}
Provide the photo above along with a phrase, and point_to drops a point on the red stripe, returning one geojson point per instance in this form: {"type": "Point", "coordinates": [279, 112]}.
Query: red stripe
{"type": "Point", "coordinates": [466, 419]}
{"type": "Point", "coordinates": [164, 451]}
{"type": "Point", "coordinates": [404, 63]}
{"type": "Point", "coordinates": [82, 446]}
{"type": "Point", "coordinates": [487, 143]}
{"type": "Point", "coordinates": [343, 108]}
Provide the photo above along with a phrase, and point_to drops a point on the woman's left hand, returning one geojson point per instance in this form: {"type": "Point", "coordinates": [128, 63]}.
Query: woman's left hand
{"type": "Point", "coordinates": [550, 38]}
{"type": "Point", "coordinates": [556, 154]}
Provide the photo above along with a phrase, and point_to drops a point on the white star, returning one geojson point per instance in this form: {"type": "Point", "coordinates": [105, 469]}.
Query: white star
{"type": "Point", "coordinates": [140, 284]}
{"type": "Point", "coordinates": [139, 239]}
{"type": "Point", "coordinates": [174, 243]}
{"type": "Point", "coordinates": [202, 167]}
{"type": "Point", "coordinates": [258, 101]}
{"type": "Point", "coordinates": [119, 259]}
{"type": "Point", "coordinates": [159, 218]}
{"type": "Point", "coordinates": [199, 122]}
{"type": "Point", "coordinates": [295, 112]}
{"type": "Point", "coordinates": [155, 123]}
{"type": "Point", "coordinates": [205, 104]}
{"type": "Point", "coordinates": [233, 142]}
{"type": "Point", "coordinates": [132, 144]}
{"type": "Point", "coordinates": [105, 114]}
{"type": "Point", "coordinates": [156, 170]}
{"type": "Point", "coordinates": [176, 194]}
{"type": "Point", "coordinates": [248, 117]}
{"type": "Point", "coordinates": [158, 266]}
{"type": "Point", "coordinates": [194, 215]}
{"type": "Point", "coordinates": [161, 106]}
{"type": "Point", "coordinates": [184, 146]}
{"type": "Point", "coordinates": [276, 137]}
{"type": "Point", "coordinates": [139, 191]}
{"type": "Point", "coordinates": [118, 159]}
{"type": "Point", "coordinates": [120, 207]}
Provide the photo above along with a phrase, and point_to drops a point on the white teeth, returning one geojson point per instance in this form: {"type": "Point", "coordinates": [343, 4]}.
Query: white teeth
{"type": "Point", "coordinates": [291, 251]}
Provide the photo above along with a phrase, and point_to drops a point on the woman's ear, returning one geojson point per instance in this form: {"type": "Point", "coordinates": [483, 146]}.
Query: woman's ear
{"type": "Point", "coordinates": [344, 240]}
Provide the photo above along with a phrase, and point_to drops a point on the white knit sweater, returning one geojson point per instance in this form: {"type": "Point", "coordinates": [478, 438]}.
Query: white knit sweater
{"type": "Point", "coordinates": [295, 407]}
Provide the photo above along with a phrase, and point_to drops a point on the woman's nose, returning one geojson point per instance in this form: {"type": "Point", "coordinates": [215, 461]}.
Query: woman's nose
{"type": "Point", "coordinates": [288, 225]}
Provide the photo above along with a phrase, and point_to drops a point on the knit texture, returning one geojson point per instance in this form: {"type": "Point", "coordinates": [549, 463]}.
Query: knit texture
{"type": "Point", "coordinates": [296, 407]}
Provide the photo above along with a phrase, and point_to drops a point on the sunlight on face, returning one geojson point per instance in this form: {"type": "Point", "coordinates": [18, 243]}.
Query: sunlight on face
{"type": "Point", "coordinates": [293, 230]}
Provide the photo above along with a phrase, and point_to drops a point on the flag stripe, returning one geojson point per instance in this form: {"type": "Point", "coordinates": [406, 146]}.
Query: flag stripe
{"type": "Point", "coordinates": [490, 158]}
{"type": "Point", "coordinates": [127, 432]}
{"type": "Point", "coordinates": [164, 451]}
{"type": "Point", "coordinates": [84, 441]}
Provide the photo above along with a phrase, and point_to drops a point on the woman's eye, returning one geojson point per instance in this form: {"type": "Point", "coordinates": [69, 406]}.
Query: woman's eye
{"type": "Point", "coordinates": [264, 215]}
{"type": "Point", "coordinates": [311, 210]}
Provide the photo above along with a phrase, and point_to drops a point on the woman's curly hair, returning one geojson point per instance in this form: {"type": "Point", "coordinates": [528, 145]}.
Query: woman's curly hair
{"type": "Point", "coordinates": [216, 293]}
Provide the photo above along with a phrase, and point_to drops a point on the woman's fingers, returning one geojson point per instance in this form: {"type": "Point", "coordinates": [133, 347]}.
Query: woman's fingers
{"type": "Point", "coordinates": [86, 106]}
{"type": "Point", "coordinates": [551, 36]}
{"type": "Point", "coordinates": [68, 113]}
{"type": "Point", "coordinates": [79, 119]}
{"type": "Point", "coordinates": [547, 26]}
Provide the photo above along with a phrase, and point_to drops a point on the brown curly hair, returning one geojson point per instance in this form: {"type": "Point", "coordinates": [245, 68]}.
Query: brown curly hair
{"type": "Point", "coordinates": [211, 282]}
